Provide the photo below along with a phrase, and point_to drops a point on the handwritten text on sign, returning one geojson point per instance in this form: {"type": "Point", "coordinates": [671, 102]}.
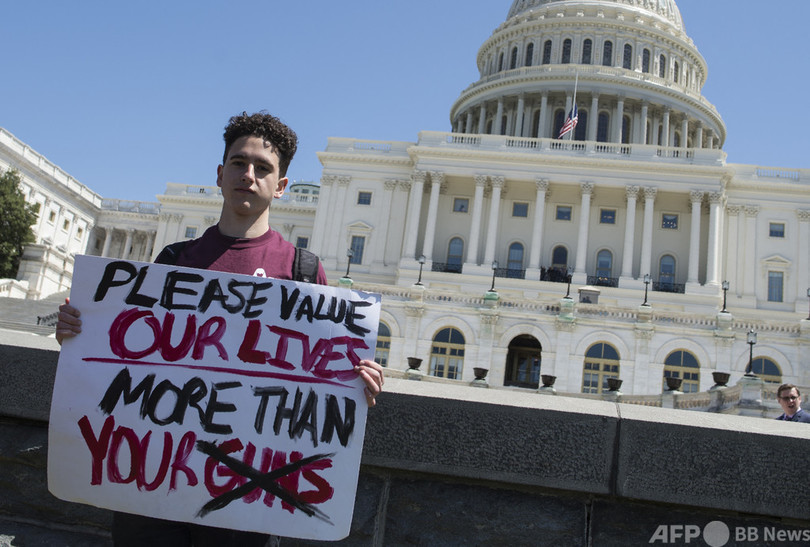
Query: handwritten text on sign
{"type": "Point", "coordinates": [206, 397]}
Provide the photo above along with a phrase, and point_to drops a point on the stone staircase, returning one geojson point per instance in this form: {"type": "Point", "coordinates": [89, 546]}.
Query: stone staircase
{"type": "Point", "coordinates": [34, 316]}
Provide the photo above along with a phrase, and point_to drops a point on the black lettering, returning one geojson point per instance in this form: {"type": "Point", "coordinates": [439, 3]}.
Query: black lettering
{"type": "Point", "coordinates": [253, 301]}
{"type": "Point", "coordinates": [265, 393]}
{"type": "Point", "coordinates": [288, 302]}
{"type": "Point", "coordinates": [305, 418]}
{"type": "Point", "coordinates": [108, 278]}
{"type": "Point", "coordinates": [334, 422]}
{"type": "Point", "coordinates": [162, 388]}
{"type": "Point", "coordinates": [122, 386]}
{"type": "Point", "coordinates": [305, 308]}
{"type": "Point", "coordinates": [134, 298]}
{"type": "Point", "coordinates": [170, 288]}
{"type": "Point", "coordinates": [215, 406]}
{"type": "Point", "coordinates": [352, 316]}
{"type": "Point", "coordinates": [233, 288]}
{"type": "Point", "coordinates": [336, 311]}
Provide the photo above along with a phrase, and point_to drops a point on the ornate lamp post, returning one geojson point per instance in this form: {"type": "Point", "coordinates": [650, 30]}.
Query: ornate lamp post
{"type": "Point", "coordinates": [725, 291]}
{"type": "Point", "coordinates": [494, 269]}
{"type": "Point", "coordinates": [646, 286]}
{"type": "Point", "coordinates": [422, 261]}
{"type": "Point", "coordinates": [568, 272]}
{"type": "Point", "coordinates": [752, 339]}
{"type": "Point", "coordinates": [808, 297]}
{"type": "Point", "coordinates": [349, 255]}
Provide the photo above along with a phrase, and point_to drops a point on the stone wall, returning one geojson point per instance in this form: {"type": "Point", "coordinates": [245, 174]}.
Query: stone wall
{"type": "Point", "coordinates": [455, 465]}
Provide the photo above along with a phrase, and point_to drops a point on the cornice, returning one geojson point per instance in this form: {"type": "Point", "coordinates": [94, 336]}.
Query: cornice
{"type": "Point", "coordinates": [359, 157]}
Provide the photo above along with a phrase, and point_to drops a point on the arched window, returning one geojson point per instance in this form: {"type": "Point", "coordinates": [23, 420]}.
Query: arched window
{"type": "Point", "coordinates": [645, 61]}
{"type": "Point", "coordinates": [666, 272]}
{"type": "Point", "coordinates": [514, 264]}
{"type": "Point", "coordinates": [676, 141]}
{"type": "Point", "coordinates": [604, 266]}
{"type": "Point", "coordinates": [383, 344]}
{"type": "Point", "coordinates": [559, 257]}
{"type": "Point", "coordinates": [489, 127]}
{"type": "Point", "coordinates": [566, 51]}
{"type": "Point", "coordinates": [587, 47]}
{"type": "Point", "coordinates": [559, 120]}
{"type": "Point", "coordinates": [660, 135]}
{"type": "Point", "coordinates": [767, 370]}
{"type": "Point", "coordinates": [500, 62]}
{"type": "Point", "coordinates": [581, 129]}
{"type": "Point", "coordinates": [504, 122]}
{"type": "Point", "coordinates": [676, 71]}
{"type": "Point", "coordinates": [603, 127]}
{"type": "Point", "coordinates": [447, 353]}
{"type": "Point", "coordinates": [455, 255]}
{"type": "Point", "coordinates": [529, 54]}
{"type": "Point", "coordinates": [523, 362]}
{"type": "Point", "coordinates": [536, 124]}
{"type": "Point", "coordinates": [662, 66]}
{"type": "Point", "coordinates": [607, 54]}
{"type": "Point", "coordinates": [649, 133]}
{"type": "Point", "coordinates": [684, 365]}
{"type": "Point", "coordinates": [514, 59]}
{"type": "Point", "coordinates": [627, 61]}
{"type": "Point", "coordinates": [547, 52]}
{"type": "Point", "coordinates": [601, 363]}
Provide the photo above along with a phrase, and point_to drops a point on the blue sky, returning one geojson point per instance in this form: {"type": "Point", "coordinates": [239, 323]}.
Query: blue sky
{"type": "Point", "coordinates": [127, 96]}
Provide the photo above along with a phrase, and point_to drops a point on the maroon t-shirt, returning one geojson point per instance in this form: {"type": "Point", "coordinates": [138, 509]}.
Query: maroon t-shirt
{"type": "Point", "coordinates": [268, 255]}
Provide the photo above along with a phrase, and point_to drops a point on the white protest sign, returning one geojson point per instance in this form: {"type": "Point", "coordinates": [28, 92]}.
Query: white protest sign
{"type": "Point", "coordinates": [219, 399]}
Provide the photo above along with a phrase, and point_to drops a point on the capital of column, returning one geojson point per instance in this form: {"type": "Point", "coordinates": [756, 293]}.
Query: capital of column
{"type": "Point", "coordinates": [390, 184]}
{"type": "Point", "coordinates": [498, 181]}
{"type": "Point", "coordinates": [650, 192]}
{"type": "Point", "coordinates": [481, 180]}
{"type": "Point", "coordinates": [437, 176]}
{"type": "Point", "coordinates": [751, 210]}
{"type": "Point", "coordinates": [405, 185]}
{"type": "Point", "coordinates": [541, 184]}
{"type": "Point", "coordinates": [328, 180]}
{"type": "Point", "coordinates": [210, 220]}
{"type": "Point", "coordinates": [418, 176]}
{"type": "Point", "coordinates": [631, 192]}
{"type": "Point", "coordinates": [587, 188]}
{"type": "Point", "coordinates": [344, 180]}
{"type": "Point", "coordinates": [734, 210]}
{"type": "Point", "coordinates": [803, 214]}
{"type": "Point", "coordinates": [696, 196]}
{"type": "Point", "coordinates": [715, 197]}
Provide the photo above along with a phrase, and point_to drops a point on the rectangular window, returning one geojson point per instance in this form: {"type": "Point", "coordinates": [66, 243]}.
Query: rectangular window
{"type": "Point", "coordinates": [777, 229]}
{"type": "Point", "coordinates": [364, 198]}
{"type": "Point", "coordinates": [563, 212]}
{"type": "Point", "coordinates": [461, 205]}
{"type": "Point", "coordinates": [607, 216]}
{"type": "Point", "coordinates": [65, 225]}
{"type": "Point", "coordinates": [52, 217]}
{"type": "Point", "coordinates": [669, 221]}
{"type": "Point", "coordinates": [191, 232]}
{"type": "Point", "coordinates": [775, 286]}
{"type": "Point", "coordinates": [520, 209]}
{"type": "Point", "coordinates": [358, 244]}
{"type": "Point", "coordinates": [79, 233]}
{"type": "Point", "coordinates": [302, 242]}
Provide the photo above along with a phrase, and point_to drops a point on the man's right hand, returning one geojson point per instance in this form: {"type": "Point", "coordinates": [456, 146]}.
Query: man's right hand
{"type": "Point", "coordinates": [68, 323]}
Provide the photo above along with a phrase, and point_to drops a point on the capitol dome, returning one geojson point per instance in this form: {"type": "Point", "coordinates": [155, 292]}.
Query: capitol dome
{"type": "Point", "coordinates": [638, 76]}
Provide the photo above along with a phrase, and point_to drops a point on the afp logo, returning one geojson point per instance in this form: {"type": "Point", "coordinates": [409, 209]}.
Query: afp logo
{"type": "Point", "coordinates": [715, 534]}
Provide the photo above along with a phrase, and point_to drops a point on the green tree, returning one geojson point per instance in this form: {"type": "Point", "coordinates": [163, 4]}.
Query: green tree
{"type": "Point", "coordinates": [16, 218]}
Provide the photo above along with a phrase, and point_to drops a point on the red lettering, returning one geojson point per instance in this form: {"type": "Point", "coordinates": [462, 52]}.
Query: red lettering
{"type": "Point", "coordinates": [168, 352]}
{"type": "Point", "coordinates": [180, 463]}
{"type": "Point", "coordinates": [281, 348]}
{"type": "Point", "coordinates": [323, 490]}
{"type": "Point", "coordinates": [119, 328]}
{"type": "Point", "coordinates": [164, 462]}
{"type": "Point", "coordinates": [234, 479]}
{"type": "Point", "coordinates": [97, 446]}
{"type": "Point", "coordinates": [207, 338]}
{"type": "Point", "coordinates": [113, 470]}
{"type": "Point", "coordinates": [247, 351]}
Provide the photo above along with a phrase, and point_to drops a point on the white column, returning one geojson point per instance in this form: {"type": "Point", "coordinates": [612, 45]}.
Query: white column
{"type": "Point", "coordinates": [414, 213]}
{"type": "Point", "coordinates": [468, 126]}
{"type": "Point", "coordinates": [803, 260]}
{"type": "Point", "coordinates": [381, 241]}
{"type": "Point", "coordinates": [108, 233]}
{"type": "Point", "coordinates": [482, 119]}
{"type": "Point", "coordinates": [497, 127]}
{"type": "Point", "coordinates": [527, 120]}
{"type": "Point", "coordinates": [699, 136]}
{"type": "Point", "coordinates": [320, 228]}
{"type": "Point", "coordinates": [492, 225]}
{"type": "Point", "coordinates": [582, 237]}
{"type": "Point", "coordinates": [537, 226]}
{"type": "Point", "coordinates": [127, 244]}
{"type": "Point", "coordinates": [619, 120]}
{"type": "Point", "coordinates": [712, 260]}
{"type": "Point", "coordinates": [647, 232]}
{"type": "Point", "coordinates": [519, 114]}
{"type": "Point", "coordinates": [734, 260]}
{"type": "Point", "coordinates": [665, 131]}
{"type": "Point", "coordinates": [645, 110]}
{"type": "Point", "coordinates": [696, 197]}
{"type": "Point", "coordinates": [475, 227]}
{"type": "Point", "coordinates": [710, 139]}
{"type": "Point", "coordinates": [335, 250]}
{"type": "Point", "coordinates": [147, 250]}
{"type": "Point", "coordinates": [436, 179]}
{"type": "Point", "coordinates": [685, 132]}
{"type": "Point", "coordinates": [541, 130]}
{"type": "Point", "coordinates": [751, 212]}
{"type": "Point", "coordinates": [593, 117]}
{"type": "Point", "coordinates": [629, 232]}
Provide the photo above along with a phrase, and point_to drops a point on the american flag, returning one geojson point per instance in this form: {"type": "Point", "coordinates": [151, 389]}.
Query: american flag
{"type": "Point", "coordinates": [570, 123]}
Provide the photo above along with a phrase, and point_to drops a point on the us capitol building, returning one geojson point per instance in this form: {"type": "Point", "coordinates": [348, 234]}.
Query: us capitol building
{"type": "Point", "coordinates": [671, 258]}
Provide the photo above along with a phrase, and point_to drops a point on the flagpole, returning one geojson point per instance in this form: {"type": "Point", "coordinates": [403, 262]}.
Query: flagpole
{"type": "Point", "coordinates": [574, 104]}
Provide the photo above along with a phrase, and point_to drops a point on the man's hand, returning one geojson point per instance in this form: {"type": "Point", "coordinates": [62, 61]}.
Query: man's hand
{"type": "Point", "coordinates": [68, 324]}
{"type": "Point", "coordinates": [372, 375]}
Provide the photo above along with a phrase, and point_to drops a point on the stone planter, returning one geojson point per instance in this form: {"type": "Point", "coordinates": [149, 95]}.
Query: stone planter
{"type": "Point", "coordinates": [674, 384]}
{"type": "Point", "coordinates": [721, 378]}
{"type": "Point", "coordinates": [614, 384]}
{"type": "Point", "coordinates": [548, 380]}
{"type": "Point", "coordinates": [480, 373]}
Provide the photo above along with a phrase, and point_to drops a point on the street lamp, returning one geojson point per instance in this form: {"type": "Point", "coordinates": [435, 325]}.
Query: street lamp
{"type": "Point", "coordinates": [421, 260]}
{"type": "Point", "coordinates": [349, 255]}
{"type": "Point", "coordinates": [752, 339]}
{"type": "Point", "coordinates": [646, 286]}
{"type": "Point", "coordinates": [494, 269]}
{"type": "Point", "coordinates": [725, 291]}
{"type": "Point", "coordinates": [808, 297]}
{"type": "Point", "coordinates": [568, 272]}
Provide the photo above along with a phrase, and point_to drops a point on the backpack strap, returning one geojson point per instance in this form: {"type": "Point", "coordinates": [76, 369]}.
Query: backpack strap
{"type": "Point", "coordinates": [171, 253]}
{"type": "Point", "coordinates": [305, 266]}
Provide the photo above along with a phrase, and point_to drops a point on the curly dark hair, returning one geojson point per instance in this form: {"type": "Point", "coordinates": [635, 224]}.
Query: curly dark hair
{"type": "Point", "coordinates": [264, 125]}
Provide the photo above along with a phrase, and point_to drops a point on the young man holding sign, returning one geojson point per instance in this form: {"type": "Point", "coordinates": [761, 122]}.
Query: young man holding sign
{"type": "Point", "coordinates": [258, 150]}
